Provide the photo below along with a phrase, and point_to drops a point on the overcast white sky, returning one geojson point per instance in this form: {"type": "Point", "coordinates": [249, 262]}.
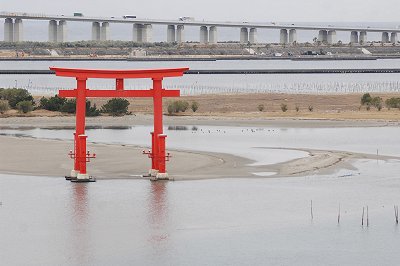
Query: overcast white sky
{"type": "Point", "coordinates": [221, 10]}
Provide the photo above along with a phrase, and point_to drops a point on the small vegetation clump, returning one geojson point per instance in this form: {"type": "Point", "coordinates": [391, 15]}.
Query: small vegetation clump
{"type": "Point", "coordinates": [69, 107]}
{"type": "Point", "coordinates": [194, 106]}
{"type": "Point", "coordinates": [4, 106]}
{"type": "Point", "coordinates": [63, 105]}
{"type": "Point", "coordinates": [368, 101]}
{"type": "Point", "coordinates": [366, 98]}
{"type": "Point", "coordinates": [14, 96]}
{"type": "Point", "coordinates": [52, 104]}
{"type": "Point", "coordinates": [310, 108]}
{"type": "Point", "coordinates": [284, 107]}
{"type": "Point", "coordinates": [177, 106]}
{"type": "Point", "coordinates": [24, 106]}
{"type": "Point", "coordinates": [261, 107]}
{"type": "Point", "coordinates": [297, 108]}
{"type": "Point", "coordinates": [116, 107]}
{"type": "Point", "coordinates": [392, 103]}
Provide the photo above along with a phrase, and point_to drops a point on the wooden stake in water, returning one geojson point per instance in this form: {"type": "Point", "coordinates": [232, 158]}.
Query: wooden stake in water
{"type": "Point", "coordinates": [396, 213]}
{"type": "Point", "coordinates": [362, 218]}
{"type": "Point", "coordinates": [367, 217]}
{"type": "Point", "coordinates": [338, 217]}
{"type": "Point", "coordinates": [312, 215]}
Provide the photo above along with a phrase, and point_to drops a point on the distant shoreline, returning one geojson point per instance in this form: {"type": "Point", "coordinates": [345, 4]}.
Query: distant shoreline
{"type": "Point", "coordinates": [195, 59]}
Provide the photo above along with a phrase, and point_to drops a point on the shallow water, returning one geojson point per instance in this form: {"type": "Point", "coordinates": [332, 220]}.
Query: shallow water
{"type": "Point", "coordinates": [264, 145]}
{"type": "Point", "coordinates": [211, 222]}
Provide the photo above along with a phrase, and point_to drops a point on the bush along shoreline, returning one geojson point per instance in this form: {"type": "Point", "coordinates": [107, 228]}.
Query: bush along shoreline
{"type": "Point", "coordinates": [22, 101]}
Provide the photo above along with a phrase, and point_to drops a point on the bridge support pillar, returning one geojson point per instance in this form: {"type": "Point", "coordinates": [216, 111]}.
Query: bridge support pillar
{"type": "Point", "coordinates": [292, 36]}
{"type": "Point", "coordinates": [52, 31]}
{"type": "Point", "coordinates": [244, 36]}
{"type": "Point", "coordinates": [203, 35]}
{"type": "Point", "coordinates": [385, 37]}
{"type": "Point", "coordinates": [354, 37]}
{"type": "Point", "coordinates": [62, 31]}
{"type": "Point", "coordinates": [104, 32]}
{"type": "Point", "coordinates": [18, 30]}
{"type": "Point", "coordinates": [284, 36]}
{"type": "Point", "coordinates": [96, 31]}
{"type": "Point", "coordinates": [323, 36]}
{"type": "Point", "coordinates": [393, 37]}
{"type": "Point", "coordinates": [171, 33]}
{"type": "Point", "coordinates": [8, 30]}
{"type": "Point", "coordinates": [147, 33]}
{"type": "Point", "coordinates": [180, 33]}
{"type": "Point", "coordinates": [213, 35]}
{"type": "Point", "coordinates": [138, 33]}
{"type": "Point", "coordinates": [253, 36]}
{"type": "Point", "coordinates": [363, 37]}
{"type": "Point", "coordinates": [331, 37]}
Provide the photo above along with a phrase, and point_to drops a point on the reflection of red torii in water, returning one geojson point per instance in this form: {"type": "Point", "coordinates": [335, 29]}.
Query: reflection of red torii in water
{"type": "Point", "coordinates": [157, 154]}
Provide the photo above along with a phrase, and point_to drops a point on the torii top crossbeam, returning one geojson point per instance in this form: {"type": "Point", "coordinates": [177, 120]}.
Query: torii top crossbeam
{"type": "Point", "coordinates": [119, 73]}
{"type": "Point", "coordinates": [82, 92]}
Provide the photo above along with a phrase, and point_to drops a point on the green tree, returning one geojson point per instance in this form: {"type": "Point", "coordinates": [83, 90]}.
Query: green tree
{"type": "Point", "coordinates": [392, 103]}
{"type": "Point", "coordinates": [52, 104]}
{"type": "Point", "coordinates": [14, 96]}
{"type": "Point", "coordinates": [194, 106]}
{"type": "Point", "coordinates": [116, 107]}
{"type": "Point", "coordinates": [377, 102]}
{"type": "Point", "coordinates": [366, 98]}
{"type": "Point", "coordinates": [177, 106]}
{"type": "Point", "coordinates": [4, 106]}
{"type": "Point", "coordinates": [91, 110]}
{"type": "Point", "coordinates": [24, 106]}
{"type": "Point", "coordinates": [69, 106]}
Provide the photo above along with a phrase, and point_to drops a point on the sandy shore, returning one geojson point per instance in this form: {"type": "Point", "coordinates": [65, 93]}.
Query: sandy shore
{"type": "Point", "coordinates": [28, 156]}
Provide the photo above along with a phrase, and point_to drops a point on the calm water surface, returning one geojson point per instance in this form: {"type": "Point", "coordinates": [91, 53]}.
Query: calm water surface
{"type": "Point", "coordinates": [254, 221]}
{"type": "Point", "coordinates": [48, 221]}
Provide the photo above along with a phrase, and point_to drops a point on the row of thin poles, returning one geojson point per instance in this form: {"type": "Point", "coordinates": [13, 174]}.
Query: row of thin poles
{"type": "Point", "coordinates": [261, 87]}
{"type": "Point", "coordinates": [364, 216]}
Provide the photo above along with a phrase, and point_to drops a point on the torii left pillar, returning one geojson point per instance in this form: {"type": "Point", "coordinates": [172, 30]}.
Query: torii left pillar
{"type": "Point", "coordinates": [80, 155]}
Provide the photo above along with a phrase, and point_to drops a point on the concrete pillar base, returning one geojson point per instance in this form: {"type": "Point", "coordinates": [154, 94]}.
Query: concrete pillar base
{"type": "Point", "coordinates": [153, 172]}
{"type": "Point", "coordinates": [74, 173]}
{"type": "Point", "coordinates": [72, 176]}
{"type": "Point", "coordinates": [163, 176]}
{"type": "Point", "coordinates": [82, 176]}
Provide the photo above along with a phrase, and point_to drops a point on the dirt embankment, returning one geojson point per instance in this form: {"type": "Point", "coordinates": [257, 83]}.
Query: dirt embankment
{"type": "Point", "coordinates": [329, 107]}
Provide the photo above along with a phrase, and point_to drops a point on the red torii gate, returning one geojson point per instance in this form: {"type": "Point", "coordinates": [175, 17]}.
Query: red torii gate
{"type": "Point", "coordinates": [157, 154]}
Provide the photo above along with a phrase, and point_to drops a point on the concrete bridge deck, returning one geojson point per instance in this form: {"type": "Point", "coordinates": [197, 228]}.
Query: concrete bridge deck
{"type": "Point", "coordinates": [27, 16]}
{"type": "Point", "coordinates": [142, 29]}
